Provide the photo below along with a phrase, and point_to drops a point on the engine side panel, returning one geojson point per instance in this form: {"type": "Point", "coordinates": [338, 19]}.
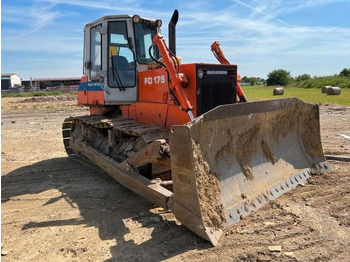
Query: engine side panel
{"type": "Point", "coordinates": [153, 86]}
{"type": "Point", "coordinates": [217, 87]}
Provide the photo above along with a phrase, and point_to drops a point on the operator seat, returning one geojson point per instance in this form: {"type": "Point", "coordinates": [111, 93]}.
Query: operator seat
{"type": "Point", "coordinates": [124, 71]}
{"type": "Point", "coordinates": [121, 63]}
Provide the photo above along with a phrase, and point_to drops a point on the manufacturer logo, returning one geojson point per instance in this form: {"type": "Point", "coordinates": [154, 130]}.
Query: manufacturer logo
{"type": "Point", "coordinates": [95, 84]}
{"type": "Point", "coordinates": [216, 72]}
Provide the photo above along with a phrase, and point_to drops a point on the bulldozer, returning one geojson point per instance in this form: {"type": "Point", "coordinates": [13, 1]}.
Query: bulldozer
{"type": "Point", "coordinates": [177, 135]}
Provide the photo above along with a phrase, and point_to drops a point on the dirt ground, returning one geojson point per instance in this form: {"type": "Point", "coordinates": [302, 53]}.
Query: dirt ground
{"type": "Point", "coordinates": [54, 208]}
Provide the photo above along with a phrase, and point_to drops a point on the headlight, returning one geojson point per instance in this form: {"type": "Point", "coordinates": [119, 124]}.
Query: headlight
{"type": "Point", "coordinates": [201, 73]}
{"type": "Point", "coordinates": [159, 23]}
{"type": "Point", "coordinates": [136, 18]}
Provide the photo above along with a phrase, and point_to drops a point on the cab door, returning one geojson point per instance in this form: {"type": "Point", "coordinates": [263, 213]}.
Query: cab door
{"type": "Point", "coordinates": [121, 68]}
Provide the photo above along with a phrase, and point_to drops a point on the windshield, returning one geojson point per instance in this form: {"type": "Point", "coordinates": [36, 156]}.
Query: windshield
{"type": "Point", "coordinates": [144, 32]}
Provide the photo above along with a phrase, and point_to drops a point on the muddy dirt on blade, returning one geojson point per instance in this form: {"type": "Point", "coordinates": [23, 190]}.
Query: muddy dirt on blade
{"type": "Point", "coordinates": [234, 159]}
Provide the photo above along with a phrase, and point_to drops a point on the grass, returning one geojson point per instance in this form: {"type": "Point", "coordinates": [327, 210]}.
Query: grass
{"type": "Point", "coordinates": [310, 95]}
{"type": "Point", "coordinates": [253, 93]}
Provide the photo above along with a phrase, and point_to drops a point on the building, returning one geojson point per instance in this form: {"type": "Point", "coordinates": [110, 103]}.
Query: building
{"type": "Point", "coordinates": [10, 80]}
{"type": "Point", "coordinates": [56, 83]}
{"type": "Point", "coordinates": [26, 83]}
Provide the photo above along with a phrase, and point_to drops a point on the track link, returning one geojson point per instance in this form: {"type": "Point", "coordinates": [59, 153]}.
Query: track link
{"type": "Point", "coordinates": [121, 126]}
{"type": "Point", "coordinates": [119, 137]}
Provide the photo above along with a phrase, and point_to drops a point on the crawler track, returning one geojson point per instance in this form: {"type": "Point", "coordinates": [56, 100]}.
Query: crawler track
{"type": "Point", "coordinates": [120, 127]}
{"type": "Point", "coordinates": [119, 138]}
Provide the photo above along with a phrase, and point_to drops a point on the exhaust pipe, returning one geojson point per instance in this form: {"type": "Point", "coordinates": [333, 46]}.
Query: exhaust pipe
{"type": "Point", "coordinates": [172, 31]}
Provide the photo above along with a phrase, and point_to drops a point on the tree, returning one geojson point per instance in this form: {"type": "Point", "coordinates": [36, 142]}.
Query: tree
{"type": "Point", "coordinates": [279, 77]}
{"type": "Point", "coordinates": [345, 72]}
{"type": "Point", "coordinates": [252, 80]}
{"type": "Point", "coordinates": [245, 79]}
{"type": "Point", "coordinates": [303, 77]}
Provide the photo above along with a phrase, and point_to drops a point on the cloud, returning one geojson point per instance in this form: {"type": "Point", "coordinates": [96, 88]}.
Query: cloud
{"type": "Point", "coordinates": [28, 19]}
{"type": "Point", "coordinates": [259, 35]}
{"type": "Point", "coordinates": [254, 33]}
{"type": "Point", "coordinates": [274, 8]}
{"type": "Point", "coordinates": [130, 6]}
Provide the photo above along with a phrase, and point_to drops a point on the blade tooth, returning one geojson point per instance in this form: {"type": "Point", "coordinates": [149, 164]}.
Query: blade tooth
{"type": "Point", "coordinates": [253, 203]}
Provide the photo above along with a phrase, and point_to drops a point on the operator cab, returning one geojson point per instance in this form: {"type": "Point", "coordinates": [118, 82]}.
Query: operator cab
{"type": "Point", "coordinates": [116, 48]}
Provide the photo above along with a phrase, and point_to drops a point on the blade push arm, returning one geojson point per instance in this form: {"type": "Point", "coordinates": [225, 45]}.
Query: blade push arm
{"type": "Point", "coordinates": [219, 54]}
{"type": "Point", "coordinates": [176, 81]}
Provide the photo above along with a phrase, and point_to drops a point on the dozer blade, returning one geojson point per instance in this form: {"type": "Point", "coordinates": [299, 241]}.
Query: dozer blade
{"type": "Point", "coordinates": [235, 158]}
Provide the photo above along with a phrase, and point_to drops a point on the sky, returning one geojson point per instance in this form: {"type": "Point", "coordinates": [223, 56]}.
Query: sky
{"type": "Point", "coordinates": [44, 38]}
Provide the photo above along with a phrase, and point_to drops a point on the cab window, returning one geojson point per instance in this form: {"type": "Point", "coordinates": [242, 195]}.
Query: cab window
{"type": "Point", "coordinates": [95, 52]}
{"type": "Point", "coordinates": [121, 64]}
{"type": "Point", "coordinates": [144, 33]}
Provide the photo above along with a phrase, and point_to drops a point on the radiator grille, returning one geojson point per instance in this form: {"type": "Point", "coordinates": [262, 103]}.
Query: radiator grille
{"type": "Point", "coordinates": [215, 94]}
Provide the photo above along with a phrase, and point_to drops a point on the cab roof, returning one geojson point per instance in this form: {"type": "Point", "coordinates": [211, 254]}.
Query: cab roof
{"type": "Point", "coordinates": [107, 17]}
